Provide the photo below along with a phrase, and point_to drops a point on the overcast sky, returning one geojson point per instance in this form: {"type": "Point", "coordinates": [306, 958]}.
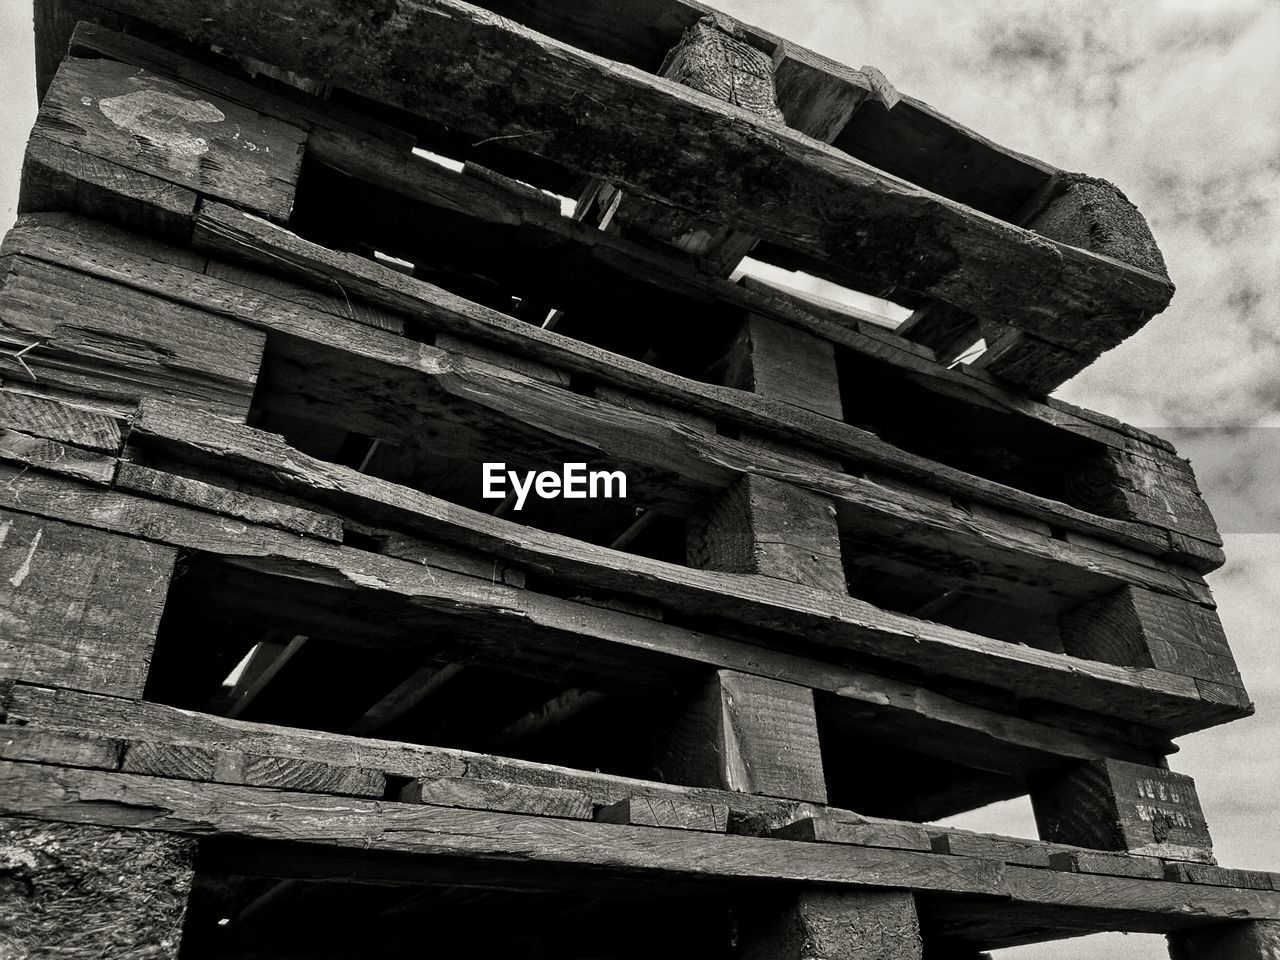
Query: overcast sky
{"type": "Point", "coordinates": [1177, 102]}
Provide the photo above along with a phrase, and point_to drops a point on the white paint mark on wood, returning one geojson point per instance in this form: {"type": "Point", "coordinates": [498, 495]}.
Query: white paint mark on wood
{"type": "Point", "coordinates": [23, 571]}
{"type": "Point", "coordinates": [163, 119]}
{"type": "Point", "coordinates": [4, 531]}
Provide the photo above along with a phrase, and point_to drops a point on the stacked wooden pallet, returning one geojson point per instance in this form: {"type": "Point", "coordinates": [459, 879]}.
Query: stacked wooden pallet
{"type": "Point", "coordinates": [256, 347]}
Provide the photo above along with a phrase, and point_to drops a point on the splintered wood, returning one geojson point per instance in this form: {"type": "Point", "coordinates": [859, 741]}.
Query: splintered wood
{"type": "Point", "coordinates": [288, 276]}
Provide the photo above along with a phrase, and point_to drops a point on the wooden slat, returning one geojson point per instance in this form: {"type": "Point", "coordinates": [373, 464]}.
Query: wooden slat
{"type": "Point", "coordinates": [202, 143]}
{"type": "Point", "coordinates": [495, 795]}
{"type": "Point", "coordinates": [59, 177]}
{"type": "Point", "coordinates": [671, 813]}
{"type": "Point", "coordinates": [827, 204]}
{"type": "Point", "coordinates": [101, 797]}
{"type": "Point", "coordinates": [80, 606]}
{"type": "Point", "coordinates": [868, 833]}
{"type": "Point", "coordinates": [58, 420]}
{"type": "Point", "coordinates": [103, 340]}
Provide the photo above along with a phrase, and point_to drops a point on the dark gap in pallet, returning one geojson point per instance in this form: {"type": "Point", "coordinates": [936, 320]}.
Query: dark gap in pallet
{"type": "Point", "coordinates": [272, 901]}
{"type": "Point", "coordinates": [1007, 448]}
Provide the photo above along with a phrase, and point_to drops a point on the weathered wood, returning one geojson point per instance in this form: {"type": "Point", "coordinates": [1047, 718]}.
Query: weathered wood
{"type": "Point", "coordinates": [64, 749]}
{"type": "Point", "coordinates": [475, 794]}
{"type": "Point", "coordinates": [777, 361]}
{"type": "Point", "coordinates": [1140, 628]}
{"type": "Point", "coordinates": [664, 812]}
{"type": "Point", "coordinates": [30, 451]}
{"type": "Point", "coordinates": [58, 177]}
{"type": "Point", "coordinates": [336, 303]}
{"type": "Point", "coordinates": [861, 832]}
{"type": "Point", "coordinates": [557, 710]}
{"type": "Point", "coordinates": [1221, 876]}
{"type": "Point", "coordinates": [130, 116]}
{"type": "Point", "coordinates": [100, 339]}
{"type": "Point", "coordinates": [205, 496]}
{"type": "Point", "coordinates": [771, 528]}
{"type": "Point", "coordinates": [139, 802]}
{"type": "Point", "coordinates": [79, 607]}
{"type": "Point", "coordinates": [668, 583]}
{"type": "Point", "coordinates": [1117, 805]}
{"type": "Point", "coordinates": [1030, 853]}
{"type": "Point", "coordinates": [44, 238]}
{"type": "Point", "coordinates": [266, 660]}
{"type": "Point", "coordinates": [58, 420]}
{"type": "Point", "coordinates": [828, 925]}
{"type": "Point", "coordinates": [79, 890]}
{"type": "Point", "coordinates": [1229, 941]}
{"type": "Point", "coordinates": [816, 199]}
{"type": "Point", "coordinates": [747, 733]}
{"type": "Point", "coordinates": [1112, 865]}
{"type": "Point", "coordinates": [212, 764]}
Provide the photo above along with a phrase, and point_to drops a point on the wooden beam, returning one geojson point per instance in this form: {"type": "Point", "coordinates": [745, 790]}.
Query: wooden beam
{"type": "Point", "coordinates": [474, 794]}
{"type": "Point", "coordinates": [86, 890]}
{"type": "Point", "coordinates": [266, 660]}
{"type": "Point", "coordinates": [1259, 940]}
{"type": "Point", "coordinates": [828, 925]}
{"type": "Point", "coordinates": [80, 607]}
{"type": "Point", "coordinates": [555, 711]}
{"type": "Point", "coordinates": [666, 812]}
{"type": "Point", "coordinates": [1116, 805]}
{"type": "Point", "coordinates": [816, 199]}
{"type": "Point", "coordinates": [746, 733]}
{"type": "Point", "coordinates": [138, 802]}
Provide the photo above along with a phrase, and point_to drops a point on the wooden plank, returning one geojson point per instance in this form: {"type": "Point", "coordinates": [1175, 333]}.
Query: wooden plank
{"type": "Point", "coordinates": [58, 420]}
{"type": "Point", "coordinates": [89, 890]}
{"type": "Point", "coordinates": [834, 925]}
{"type": "Point", "coordinates": [59, 177]}
{"type": "Point", "coordinates": [99, 339]}
{"type": "Point", "coordinates": [1108, 864]}
{"type": "Point", "coordinates": [206, 496]}
{"type": "Point", "coordinates": [214, 764]}
{"type": "Point", "coordinates": [747, 733]}
{"type": "Point", "coordinates": [959, 843]}
{"type": "Point", "coordinates": [1220, 876]}
{"type": "Point", "coordinates": [1117, 805]}
{"type": "Point", "coordinates": [758, 413]}
{"type": "Point", "coordinates": [133, 117]}
{"type": "Point", "coordinates": [862, 832]}
{"type": "Point", "coordinates": [80, 607]}
{"type": "Point", "coordinates": [137, 802]}
{"type": "Point", "coordinates": [664, 812]}
{"type": "Point", "coordinates": [407, 694]}
{"type": "Point", "coordinates": [30, 451]}
{"type": "Point", "coordinates": [335, 301]}
{"type": "Point", "coordinates": [553, 712]}
{"type": "Point", "coordinates": [495, 795]}
{"type": "Point", "coordinates": [64, 749]}
{"type": "Point", "coordinates": [1229, 941]}
{"type": "Point", "coordinates": [967, 259]}
{"type": "Point", "coordinates": [1073, 678]}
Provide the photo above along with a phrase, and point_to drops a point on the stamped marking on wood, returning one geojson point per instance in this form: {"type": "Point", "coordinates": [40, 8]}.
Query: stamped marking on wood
{"type": "Point", "coordinates": [162, 119]}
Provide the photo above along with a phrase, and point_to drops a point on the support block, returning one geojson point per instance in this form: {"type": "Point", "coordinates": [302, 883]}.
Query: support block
{"type": "Point", "coordinates": [1117, 805]}
{"type": "Point", "coordinates": [817, 925]}
{"type": "Point", "coordinates": [1253, 940]}
{"type": "Point", "coordinates": [769, 527]}
{"type": "Point", "coordinates": [778, 361]}
{"type": "Point", "coordinates": [750, 734]}
{"type": "Point", "coordinates": [71, 890]}
{"type": "Point", "coordinates": [79, 608]}
{"type": "Point", "coordinates": [1134, 627]}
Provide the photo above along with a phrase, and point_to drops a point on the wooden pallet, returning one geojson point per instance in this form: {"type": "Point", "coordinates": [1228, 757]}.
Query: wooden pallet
{"type": "Point", "coordinates": [254, 349]}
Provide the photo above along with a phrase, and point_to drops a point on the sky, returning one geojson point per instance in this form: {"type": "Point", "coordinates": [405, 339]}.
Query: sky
{"type": "Point", "coordinates": [1178, 103]}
